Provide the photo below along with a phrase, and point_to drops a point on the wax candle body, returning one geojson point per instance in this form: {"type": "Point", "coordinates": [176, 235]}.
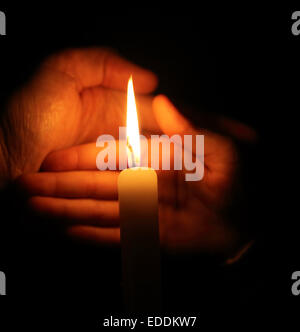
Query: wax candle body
{"type": "Point", "coordinates": [138, 202]}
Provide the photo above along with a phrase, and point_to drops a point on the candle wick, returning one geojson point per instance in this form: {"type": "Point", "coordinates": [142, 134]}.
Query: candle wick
{"type": "Point", "coordinates": [133, 163]}
{"type": "Point", "coordinates": [133, 160]}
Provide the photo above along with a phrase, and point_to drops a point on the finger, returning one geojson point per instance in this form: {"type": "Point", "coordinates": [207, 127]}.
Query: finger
{"type": "Point", "coordinates": [95, 235]}
{"type": "Point", "coordinates": [86, 184]}
{"type": "Point", "coordinates": [83, 157]}
{"type": "Point", "coordinates": [76, 211]}
{"type": "Point", "coordinates": [79, 157]}
{"type": "Point", "coordinates": [100, 66]}
{"type": "Point", "coordinates": [102, 185]}
{"type": "Point", "coordinates": [104, 111]}
{"type": "Point", "coordinates": [172, 121]}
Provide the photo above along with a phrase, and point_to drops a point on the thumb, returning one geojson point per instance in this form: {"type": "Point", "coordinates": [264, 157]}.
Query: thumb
{"type": "Point", "coordinates": [169, 119]}
{"type": "Point", "coordinates": [172, 122]}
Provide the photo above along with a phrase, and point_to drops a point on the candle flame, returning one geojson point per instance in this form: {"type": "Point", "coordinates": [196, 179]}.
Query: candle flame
{"type": "Point", "coordinates": [133, 134]}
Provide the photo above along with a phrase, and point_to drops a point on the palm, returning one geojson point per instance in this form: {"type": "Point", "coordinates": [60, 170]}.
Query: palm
{"type": "Point", "coordinates": [66, 103]}
{"type": "Point", "coordinates": [193, 214]}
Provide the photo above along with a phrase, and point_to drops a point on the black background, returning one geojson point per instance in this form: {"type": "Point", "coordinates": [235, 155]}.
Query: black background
{"type": "Point", "coordinates": [240, 62]}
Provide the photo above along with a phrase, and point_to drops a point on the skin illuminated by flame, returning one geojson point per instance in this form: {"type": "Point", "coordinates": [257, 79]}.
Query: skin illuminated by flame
{"type": "Point", "coordinates": [133, 134]}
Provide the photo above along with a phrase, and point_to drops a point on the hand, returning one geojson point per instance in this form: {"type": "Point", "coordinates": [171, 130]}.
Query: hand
{"type": "Point", "coordinates": [74, 97]}
{"type": "Point", "coordinates": [194, 216]}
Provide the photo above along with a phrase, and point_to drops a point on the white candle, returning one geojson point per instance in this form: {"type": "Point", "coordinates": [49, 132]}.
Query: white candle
{"type": "Point", "coordinates": [138, 202]}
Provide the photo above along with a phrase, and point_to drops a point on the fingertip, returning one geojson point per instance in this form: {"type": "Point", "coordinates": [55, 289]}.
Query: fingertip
{"type": "Point", "coordinates": [162, 102]}
{"type": "Point", "coordinates": [168, 117]}
{"type": "Point", "coordinates": [144, 81]}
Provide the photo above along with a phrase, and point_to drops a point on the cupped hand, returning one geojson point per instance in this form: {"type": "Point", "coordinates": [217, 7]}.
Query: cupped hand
{"type": "Point", "coordinates": [74, 97]}
{"type": "Point", "coordinates": [194, 216]}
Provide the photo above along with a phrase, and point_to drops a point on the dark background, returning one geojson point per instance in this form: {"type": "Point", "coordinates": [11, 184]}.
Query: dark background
{"type": "Point", "coordinates": [240, 62]}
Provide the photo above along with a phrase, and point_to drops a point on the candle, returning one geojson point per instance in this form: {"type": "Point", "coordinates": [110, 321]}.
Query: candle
{"type": "Point", "coordinates": [138, 203]}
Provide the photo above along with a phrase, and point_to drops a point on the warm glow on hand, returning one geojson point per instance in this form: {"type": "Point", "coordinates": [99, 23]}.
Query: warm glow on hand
{"type": "Point", "coordinates": [191, 213]}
